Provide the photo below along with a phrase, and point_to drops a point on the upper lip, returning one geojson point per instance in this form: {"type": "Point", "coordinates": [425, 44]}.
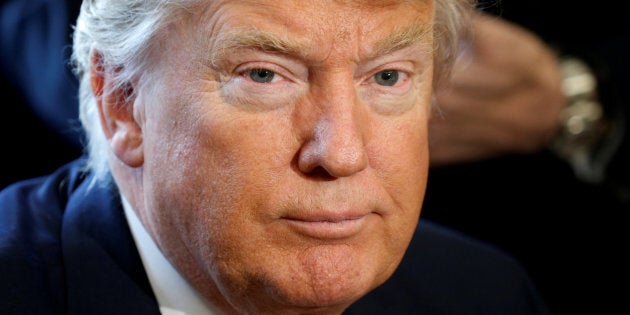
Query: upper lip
{"type": "Point", "coordinates": [326, 216]}
{"type": "Point", "coordinates": [335, 215]}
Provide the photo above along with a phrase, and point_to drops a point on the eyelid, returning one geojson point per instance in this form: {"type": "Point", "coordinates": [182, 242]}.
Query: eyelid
{"type": "Point", "coordinates": [244, 69]}
{"type": "Point", "coordinates": [405, 75]}
{"type": "Point", "coordinates": [283, 65]}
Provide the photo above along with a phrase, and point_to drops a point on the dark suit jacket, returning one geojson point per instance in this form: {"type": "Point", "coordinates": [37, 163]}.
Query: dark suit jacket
{"type": "Point", "coordinates": [67, 249]}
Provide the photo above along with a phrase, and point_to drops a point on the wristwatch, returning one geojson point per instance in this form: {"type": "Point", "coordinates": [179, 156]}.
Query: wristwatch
{"type": "Point", "coordinates": [583, 122]}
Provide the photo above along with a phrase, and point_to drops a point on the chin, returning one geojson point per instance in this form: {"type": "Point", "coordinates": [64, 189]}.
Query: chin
{"type": "Point", "coordinates": [324, 279]}
{"type": "Point", "coordinates": [331, 301]}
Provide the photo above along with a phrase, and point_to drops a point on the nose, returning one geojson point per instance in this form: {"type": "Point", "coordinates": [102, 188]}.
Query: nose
{"type": "Point", "coordinates": [336, 146]}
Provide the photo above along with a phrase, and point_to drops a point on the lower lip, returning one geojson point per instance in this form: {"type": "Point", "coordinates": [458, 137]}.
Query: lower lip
{"type": "Point", "coordinates": [328, 229]}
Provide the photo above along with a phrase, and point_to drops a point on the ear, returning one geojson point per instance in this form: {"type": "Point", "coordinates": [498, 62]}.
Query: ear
{"type": "Point", "coordinates": [116, 111]}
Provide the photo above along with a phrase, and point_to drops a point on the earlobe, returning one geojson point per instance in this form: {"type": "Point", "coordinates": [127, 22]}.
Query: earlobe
{"type": "Point", "coordinates": [116, 112]}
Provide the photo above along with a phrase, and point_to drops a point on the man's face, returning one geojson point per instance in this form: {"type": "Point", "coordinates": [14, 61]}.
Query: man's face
{"type": "Point", "coordinates": [285, 148]}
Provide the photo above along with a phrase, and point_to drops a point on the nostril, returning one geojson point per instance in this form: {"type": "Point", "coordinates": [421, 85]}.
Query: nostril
{"type": "Point", "coordinates": [320, 173]}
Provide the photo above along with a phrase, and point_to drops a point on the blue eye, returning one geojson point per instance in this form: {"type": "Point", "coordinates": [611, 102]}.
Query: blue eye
{"type": "Point", "coordinates": [261, 75]}
{"type": "Point", "coordinates": [387, 77]}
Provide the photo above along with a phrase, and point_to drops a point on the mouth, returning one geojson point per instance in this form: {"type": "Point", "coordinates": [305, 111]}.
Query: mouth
{"type": "Point", "coordinates": [332, 228]}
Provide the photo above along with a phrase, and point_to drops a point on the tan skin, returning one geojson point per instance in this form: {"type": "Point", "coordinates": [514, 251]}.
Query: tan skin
{"type": "Point", "coordinates": [505, 97]}
{"type": "Point", "coordinates": [286, 180]}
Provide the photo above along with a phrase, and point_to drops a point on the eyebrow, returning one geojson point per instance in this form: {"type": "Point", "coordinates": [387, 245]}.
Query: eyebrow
{"type": "Point", "coordinates": [274, 43]}
{"type": "Point", "coordinates": [256, 39]}
{"type": "Point", "coordinates": [402, 38]}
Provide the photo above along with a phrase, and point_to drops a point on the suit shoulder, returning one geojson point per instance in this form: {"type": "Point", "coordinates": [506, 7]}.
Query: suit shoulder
{"type": "Point", "coordinates": [447, 272]}
{"type": "Point", "coordinates": [31, 216]}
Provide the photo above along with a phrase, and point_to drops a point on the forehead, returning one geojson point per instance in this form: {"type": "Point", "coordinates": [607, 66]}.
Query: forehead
{"type": "Point", "coordinates": [315, 27]}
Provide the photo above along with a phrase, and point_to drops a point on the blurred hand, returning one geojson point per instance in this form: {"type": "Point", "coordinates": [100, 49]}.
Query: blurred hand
{"type": "Point", "coordinates": [505, 97]}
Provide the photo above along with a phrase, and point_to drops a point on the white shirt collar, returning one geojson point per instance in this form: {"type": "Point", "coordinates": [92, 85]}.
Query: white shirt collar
{"type": "Point", "coordinates": [174, 294]}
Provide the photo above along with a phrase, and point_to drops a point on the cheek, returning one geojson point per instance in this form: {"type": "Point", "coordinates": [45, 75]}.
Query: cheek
{"type": "Point", "coordinates": [402, 159]}
{"type": "Point", "coordinates": [402, 166]}
{"type": "Point", "coordinates": [210, 167]}
{"type": "Point", "coordinates": [202, 187]}
{"type": "Point", "coordinates": [402, 155]}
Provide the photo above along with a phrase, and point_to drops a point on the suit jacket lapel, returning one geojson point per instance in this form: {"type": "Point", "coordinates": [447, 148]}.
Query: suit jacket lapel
{"type": "Point", "coordinates": [105, 273]}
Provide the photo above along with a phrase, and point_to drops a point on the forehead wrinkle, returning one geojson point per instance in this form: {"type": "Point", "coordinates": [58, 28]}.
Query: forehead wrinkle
{"type": "Point", "coordinates": [418, 31]}
{"type": "Point", "coordinates": [256, 39]}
